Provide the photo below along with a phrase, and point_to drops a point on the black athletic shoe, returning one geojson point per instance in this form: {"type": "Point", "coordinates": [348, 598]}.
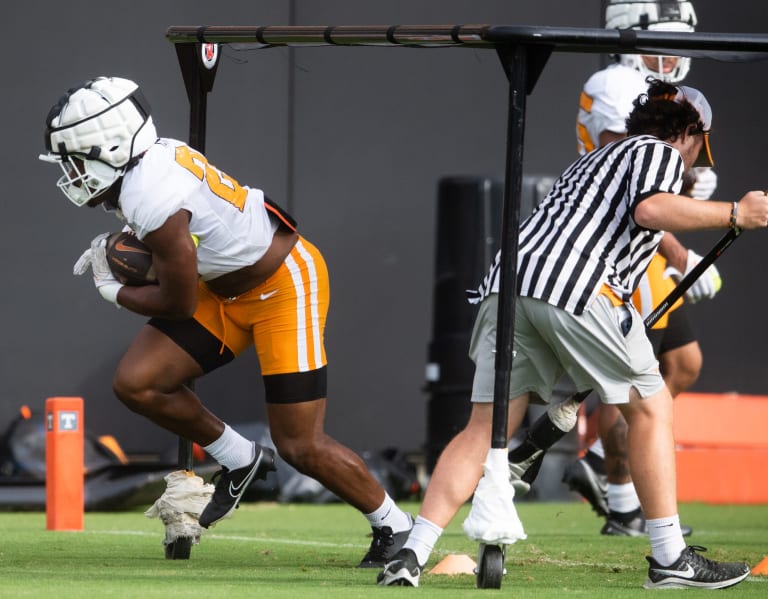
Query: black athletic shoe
{"type": "Point", "coordinates": [402, 570]}
{"type": "Point", "coordinates": [384, 546]}
{"type": "Point", "coordinates": [587, 477]}
{"type": "Point", "coordinates": [632, 524]}
{"type": "Point", "coordinates": [230, 485]}
{"type": "Point", "coordinates": [693, 570]}
{"type": "Point", "coordinates": [625, 525]}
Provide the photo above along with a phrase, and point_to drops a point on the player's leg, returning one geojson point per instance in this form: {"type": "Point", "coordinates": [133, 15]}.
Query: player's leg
{"type": "Point", "coordinates": [602, 477]}
{"type": "Point", "coordinates": [288, 327]}
{"type": "Point", "coordinates": [452, 483]}
{"type": "Point", "coordinates": [587, 475]}
{"type": "Point", "coordinates": [151, 379]}
{"type": "Point", "coordinates": [460, 465]}
{"type": "Point", "coordinates": [652, 451]}
{"type": "Point", "coordinates": [680, 363]}
{"type": "Point", "coordinates": [679, 353]}
{"type": "Point", "coordinates": [458, 468]}
{"type": "Point", "coordinates": [652, 462]}
{"type": "Point", "coordinates": [646, 404]}
{"type": "Point", "coordinates": [681, 367]}
{"type": "Point", "coordinates": [297, 429]}
{"type": "Point", "coordinates": [625, 516]}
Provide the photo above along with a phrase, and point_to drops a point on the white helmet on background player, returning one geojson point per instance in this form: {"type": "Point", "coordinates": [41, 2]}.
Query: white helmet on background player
{"type": "Point", "coordinates": [659, 15]}
{"type": "Point", "coordinates": [94, 132]}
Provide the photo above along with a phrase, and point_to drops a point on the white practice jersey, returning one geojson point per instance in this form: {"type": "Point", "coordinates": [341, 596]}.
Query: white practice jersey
{"type": "Point", "coordinates": [230, 221]}
{"type": "Point", "coordinates": [605, 103]}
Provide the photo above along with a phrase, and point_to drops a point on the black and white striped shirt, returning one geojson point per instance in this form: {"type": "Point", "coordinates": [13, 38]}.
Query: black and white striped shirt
{"type": "Point", "coordinates": [583, 233]}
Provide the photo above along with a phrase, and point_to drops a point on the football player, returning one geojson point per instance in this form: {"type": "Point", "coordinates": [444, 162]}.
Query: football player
{"type": "Point", "coordinates": [251, 280]}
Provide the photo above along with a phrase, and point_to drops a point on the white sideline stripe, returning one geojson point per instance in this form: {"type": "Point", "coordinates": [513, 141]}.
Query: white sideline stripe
{"type": "Point", "coordinates": [283, 541]}
{"type": "Point", "coordinates": [540, 558]}
{"type": "Point", "coordinates": [141, 533]}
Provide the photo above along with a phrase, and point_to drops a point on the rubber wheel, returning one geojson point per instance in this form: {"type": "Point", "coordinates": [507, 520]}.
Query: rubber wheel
{"type": "Point", "coordinates": [491, 568]}
{"type": "Point", "coordinates": [181, 548]}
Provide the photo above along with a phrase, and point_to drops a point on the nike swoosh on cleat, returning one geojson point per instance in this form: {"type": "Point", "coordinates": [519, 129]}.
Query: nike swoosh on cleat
{"type": "Point", "coordinates": [265, 296]}
{"type": "Point", "coordinates": [687, 573]}
{"type": "Point", "coordinates": [234, 491]}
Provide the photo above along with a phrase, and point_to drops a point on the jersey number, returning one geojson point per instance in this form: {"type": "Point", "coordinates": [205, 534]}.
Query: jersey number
{"type": "Point", "coordinates": [219, 183]}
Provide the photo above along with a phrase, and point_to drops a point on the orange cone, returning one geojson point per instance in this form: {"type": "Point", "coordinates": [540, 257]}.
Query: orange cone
{"type": "Point", "coordinates": [761, 569]}
{"type": "Point", "coordinates": [455, 564]}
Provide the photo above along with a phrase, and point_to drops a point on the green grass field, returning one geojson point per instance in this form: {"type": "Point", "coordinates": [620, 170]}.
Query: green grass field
{"type": "Point", "coordinates": [274, 550]}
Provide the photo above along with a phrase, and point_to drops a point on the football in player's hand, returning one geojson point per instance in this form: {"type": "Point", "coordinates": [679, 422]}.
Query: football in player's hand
{"type": "Point", "coordinates": [130, 260]}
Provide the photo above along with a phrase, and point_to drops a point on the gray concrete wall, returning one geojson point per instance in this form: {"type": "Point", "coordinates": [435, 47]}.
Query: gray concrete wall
{"type": "Point", "coordinates": [355, 152]}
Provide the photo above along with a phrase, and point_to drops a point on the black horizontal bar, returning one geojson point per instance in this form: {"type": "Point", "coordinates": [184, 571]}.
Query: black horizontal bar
{"type": "Point", "coordinates": [572, 39]}
{"type": "Point", "coordinates": [337, 35]}
{"type": "Point", "coordinates": [562, 39]}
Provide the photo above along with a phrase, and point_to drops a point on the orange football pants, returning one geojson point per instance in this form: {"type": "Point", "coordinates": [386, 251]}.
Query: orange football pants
{"type": "Point", "coordinates": [284, 317]}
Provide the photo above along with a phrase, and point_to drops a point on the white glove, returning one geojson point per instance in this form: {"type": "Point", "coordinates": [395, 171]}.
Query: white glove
{"type": "Point", "coordinates": [707, 285]}
{"type": "Point", "coordinates": [705, 184]}
{"type": "Point", "coordinates": [96, 257]}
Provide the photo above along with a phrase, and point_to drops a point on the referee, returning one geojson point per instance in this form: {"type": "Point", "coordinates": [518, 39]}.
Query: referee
{"type": "Point", "coordinates": [581, 255]}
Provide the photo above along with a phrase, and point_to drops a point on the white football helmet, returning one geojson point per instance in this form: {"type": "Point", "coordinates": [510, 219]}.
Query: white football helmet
{"type": "Point", "coordinates": [94, 132]}
{"type": "Point", "coordinates": [659, 15]}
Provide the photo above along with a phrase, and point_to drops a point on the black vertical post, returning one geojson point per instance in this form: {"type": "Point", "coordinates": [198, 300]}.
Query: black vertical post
{"type": "Point", "coordinates": [199, 63]}
{"type": "Point", "coordinates": [515, 65]}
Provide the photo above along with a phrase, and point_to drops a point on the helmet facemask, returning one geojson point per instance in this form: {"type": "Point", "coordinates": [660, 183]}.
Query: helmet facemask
{"type": "Point", "coordinates": [676, 75]}
{"type": "Point", "coordinates": [655, 15]}
{"type": "Point", "coordinates": [83, 179]}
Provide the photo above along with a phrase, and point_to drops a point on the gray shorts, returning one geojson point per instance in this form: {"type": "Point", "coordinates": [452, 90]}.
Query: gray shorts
{"type": "Point", "coordinates": [550, 342]}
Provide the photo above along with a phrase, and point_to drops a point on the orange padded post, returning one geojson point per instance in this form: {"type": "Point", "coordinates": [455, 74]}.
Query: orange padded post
{"type": "Point", "coordinates": [64, 463]}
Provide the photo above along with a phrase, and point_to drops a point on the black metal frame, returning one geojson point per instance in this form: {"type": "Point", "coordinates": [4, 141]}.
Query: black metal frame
{"type": "Point", "coordinates": [198, 75]}
{"type": "Point", "coordinates": [523, 51]}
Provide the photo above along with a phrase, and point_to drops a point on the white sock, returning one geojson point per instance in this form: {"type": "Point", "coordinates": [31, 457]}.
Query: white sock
{"type": "Point", "coordinates": [388, 514]}
{"type": "Point", "coordinates": [666, 539]}
{"type": "Point", "coordinates": [231, 450]}
{"type": "Point", "coordinates": [622, 498]}
{"type": "Point", "coordinates": [597, 448]}
{"type": "Point", "coordinates": [423, 538]}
